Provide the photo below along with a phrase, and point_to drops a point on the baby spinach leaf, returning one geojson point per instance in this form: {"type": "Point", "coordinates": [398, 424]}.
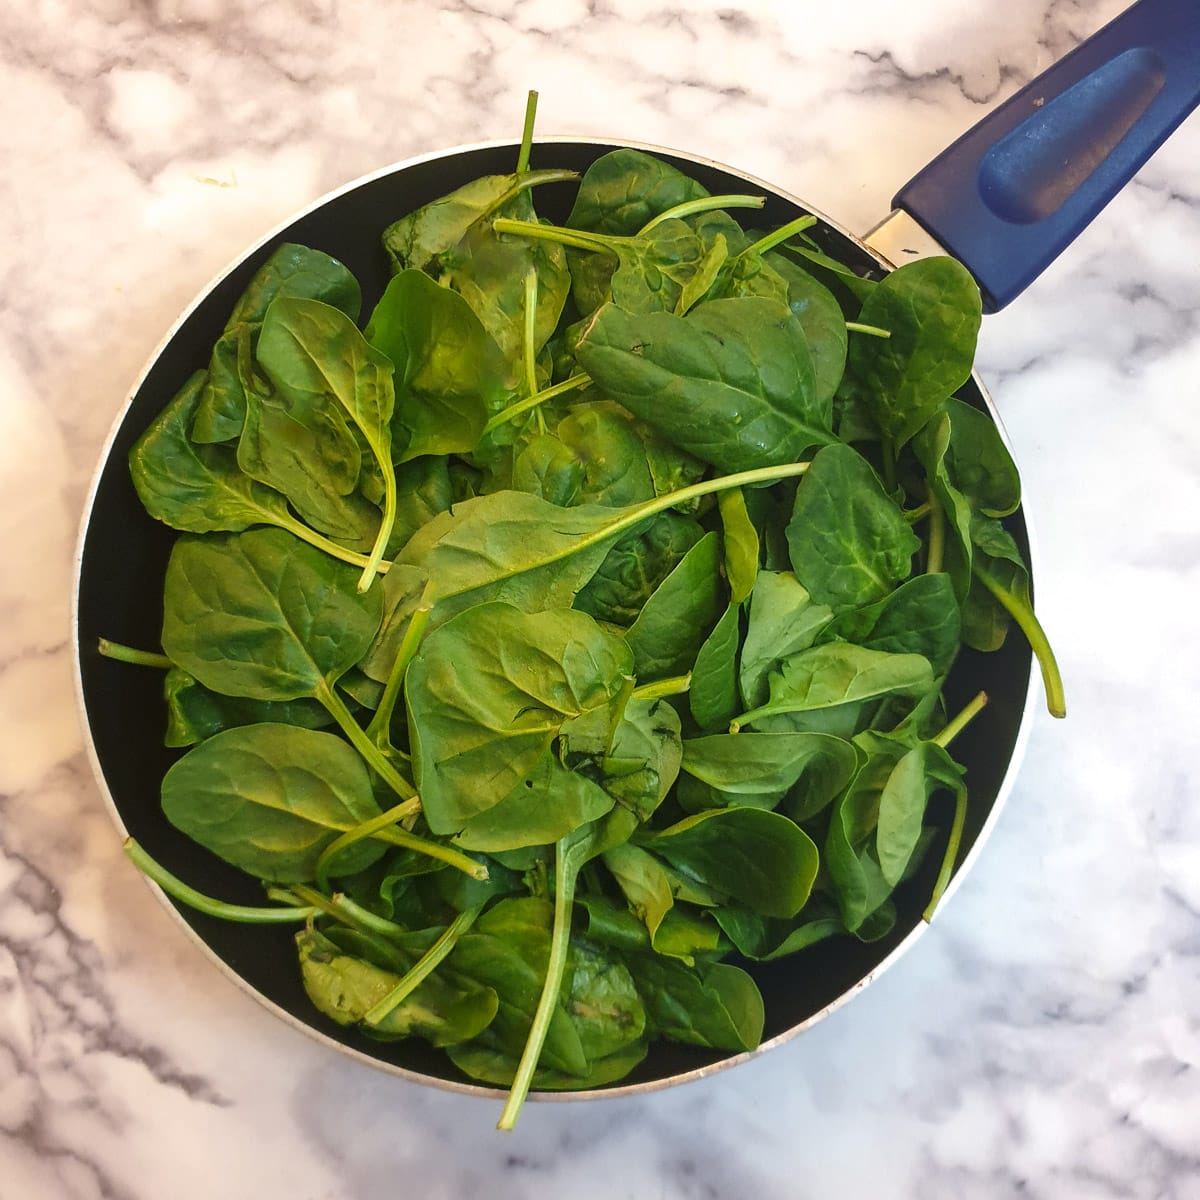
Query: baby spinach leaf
{"type": "Point", "coordinates": [449, 371]}
{"type": "Point", "coordinates": [487, 694]}
{"type": "Point", "coordinates": [291, 270]}
{"type": "Point", "coordinates": [713, 695]}
{"type": "Point", "coordinates": [197, 488]}
{"type": "Point", "coordinates": [932, 310]}
{"type": "Point", "coordinates": [622, 190]}
{"type": "Point", "coordinates": [902, 804]}
{"type": "Point", "coordinates": [979, 462]}
{"type": "Point", "coordinates": [765, 939]}
{"type": "Point", "coordinates": [544, 807]}
{"type": "Point", "coordinates": [260, 614]}
{"type": "Point", "coordinates": [346, 988]}
{"type": "Point", "coordinates": [423, 489]}
{"type": "Point", "coordinates": [635, 567]}
{"type": "Point", "coordinates": [759, 769]}
{"type": "Point", "coordinates": [731, 383]}
{"type": "Point", "coordinates": [669, 630]}
{"type": "Point", "coordinates": [920, 617]}
{"type": "Point", "coordinates": [269, 798]}
{"type": "Point", "coordinates": [783, 620]}
{"type": "Point", "coordinates": [760, 858]}
{"type": "Point", "coordinates": [711, 1004]}
{"type": "Point", "coordinates": [644, 884]}
{"type": "Point", "coordinates": [931, 446]}
{"type": "Point", "coordinates": [849, 541]}
{"type": "Point", "coordinates": [602, 1002]}
{"type": "Point", "coordinates": [740, 543]}
{"type": "Point", "coordinates": [837, 675]}
{"type": "Point", "coordinates": [195, 713]}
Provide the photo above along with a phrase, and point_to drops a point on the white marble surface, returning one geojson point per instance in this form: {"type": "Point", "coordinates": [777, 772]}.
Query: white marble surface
{"type": "Point", "coordinates": [1043, 1040]}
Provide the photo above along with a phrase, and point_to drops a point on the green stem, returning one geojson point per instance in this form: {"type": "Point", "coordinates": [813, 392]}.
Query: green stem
{"type": "Point", "coordinates": [527, 133]}
{"type": "Point", "coordinates": [780, 235]}
{"type": "Point", "coordinates": [371, 569]}
{"type": "Point", "coordinates": [379, 729]}
{"type": "Point", "coordinates": [523, 406]}
{"type": "Point", "coordinates": [869, 330]}
{"type": "Point", "coordinates": [343, 909]}
{"type": "Point", "coordinates": [677, 685]}
{"type": "Point", "coordinates": [180, 891]}
{"type": "Point", "coordinates": [1029, 625]}
{"type": "Point", "coordinates": [447, 854]}
{"type": "Point", "coordinates": [313, 538]}
{"type": "Point", "coordinates": [565, 874]}
{"type": "Point", "coordinates": [597, 243]}
{"type": "Point", "coordinates": [960, 722]}
{"type": "Point", "coordinates": [937, 535]}
{"type": "Point", "coordinates": [689, 208]}
{"type": "Point", "coordinates": [424, 966]}
{"type": "Point", "coordinates": [405, 808]}
{"type": "Point", "coordinates": [952, 845]}
{"type": "Point", "coordinates": [530, 330]}
{"type": "Point", "coordinates": [141, 658]}
{"type": "Point", "coordinates": [913, 515]}
{"type": "Point", "coordinates": [363, 744]}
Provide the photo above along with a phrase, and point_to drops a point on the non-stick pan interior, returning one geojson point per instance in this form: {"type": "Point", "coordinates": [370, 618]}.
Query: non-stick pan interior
{"type": "Point", "coordinates": [124, 555]}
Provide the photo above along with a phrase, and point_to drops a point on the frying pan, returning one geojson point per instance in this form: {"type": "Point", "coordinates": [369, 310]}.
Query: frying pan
{"type": "Point", "coordinates": [1005, 199]}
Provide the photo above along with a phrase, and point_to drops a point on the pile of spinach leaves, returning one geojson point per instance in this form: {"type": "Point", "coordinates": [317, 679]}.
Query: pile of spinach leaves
{"type": "Point", "coordinates": [571, 633]}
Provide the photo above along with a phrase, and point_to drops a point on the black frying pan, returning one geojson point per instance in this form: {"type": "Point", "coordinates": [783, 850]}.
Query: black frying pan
{"type": "Point", "coordinates": [1005, 199]}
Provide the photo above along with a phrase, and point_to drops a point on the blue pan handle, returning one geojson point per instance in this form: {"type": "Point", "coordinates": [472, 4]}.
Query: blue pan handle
{"type": "Point", "coordinates": [1009, 196]}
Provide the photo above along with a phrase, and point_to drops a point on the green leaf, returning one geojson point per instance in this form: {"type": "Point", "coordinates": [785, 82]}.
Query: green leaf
{"type": "Point", "coordinates": [849, 542]}
{"type": "Point", "coordinates": [979, 462]}
{"type": "Point", "coordinates": [487, 694]}
{"type": "Point", "coordinates": [713, 695]}
{"type": "Point", "coordinates": [731, 383]}
{"type": "Point", "coordinates": [740, 543]}
{"type": "Point", "coordinates": [449, 371]}
{"type": "Point", "coordinates": [622, 190]}
{"type": "Point", "coordinates": [783, 620]}
{"type": "Point", "coordinates": [262, 615]}
{"type": "Point", "coordinates": [762, 859]}
{"type": "Point", "coordinates": [670, 629]}
{"type": "Point", "coordinates": [902, 805]}
{"type": "Point", "coordinates": [932, 310]}
{"type": "Point", "coordinates": [711, 1004]}
{"type": "Point", "coordinates": [269, 798]}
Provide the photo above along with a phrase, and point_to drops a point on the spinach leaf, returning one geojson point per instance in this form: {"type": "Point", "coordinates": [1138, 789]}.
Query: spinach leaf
{"type": "Point", "coordinates": [765, 939]}
{"type": "Point", "coordinates": [635, 567]}
{"type": "Point", "coordinates": [979, 462]}
{"type": "Point", "coordinates": [902, 803]}
{"type": "Point", "coordinates": [849, 542]}
{"type": "Point", "coordinates": [292, 270]}
{"type": "Point", "coordinates": [622, 190]}
{"type": "Point", "coordinates": [449, 371]}
{"type": "Point", "coordinates": [740, 543]}
{"type": "Point", "coordinates": [195, 713]}
{"type": "Point", "coordinates": [711, 1004]}
{"type": "Point", "coordinates": [487, 694]}
{"type": "Point", "coordinates": [731, 383]}
{"type": "Point", "coordinates": [260, 614]}
{"type": "Point", "coordinates": [269, 798]}
{"type": "Point", "coordinates": [932, 310]}
{"type": "Point", "coordinates": [668, 632]}
{"type": "Point", "coordinates": [762, 859]}
{"type": "Point", "coordinates": [783, 620]}
{"type": "Point", "coordinates": [713, 695]}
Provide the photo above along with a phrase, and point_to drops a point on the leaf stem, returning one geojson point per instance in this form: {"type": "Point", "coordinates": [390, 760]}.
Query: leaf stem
{"type": "Point", "coordinates": [969, 712]}
{"type": "Point", "coordinates": [343, 909]}
{"type": "Point", "coordinates": [677, 685]}
{"type": "Point", "coordinates": [869, 330]}
{"type": "Point", "coordinates": [330, 547]}
{"type": "Point", "coordinates": [771, 240]}
{"type": "Point", "coordinates": [363, 830]}
{"type": "Point", "coordinates": [565, 874]}
{"type": "Point", "coordinates": [128, 654]}
{"type": "Point", "coordinates": [1029, 625]}
{"type": "Point", "coordinates": [596, 243]}
{"type": "Point", "coordinates": [523, 406]}
{"type": "Point", "coordinates": [431, 849]}
{"type": "Point", "coordinates": [530, 331]}
{"type": "Point", "coordinates": [371, 569]}
{"type": "Point", "coordinates": [379, 729]}
{"type": "Point", "coordinates": [913, 515]}
{"type": "Point", "coordinates": [952, 845]}
{"type": "Point", "coordinates": [527, 133]}
{"type": "Point", "coordinates": [936, 554]}
{"type": "Point", "coordinates": [424, 966]}
{"type": "Point", "coordinates": [363, 744]}
{"type": "Point", "coordinates": [702, 204]}
{"type": "Point", "coordinates": [178, 890]}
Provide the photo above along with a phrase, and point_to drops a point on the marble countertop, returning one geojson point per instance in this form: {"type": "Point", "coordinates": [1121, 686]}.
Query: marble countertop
{"type": "Point", "coordinates": [1043, 1040]}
